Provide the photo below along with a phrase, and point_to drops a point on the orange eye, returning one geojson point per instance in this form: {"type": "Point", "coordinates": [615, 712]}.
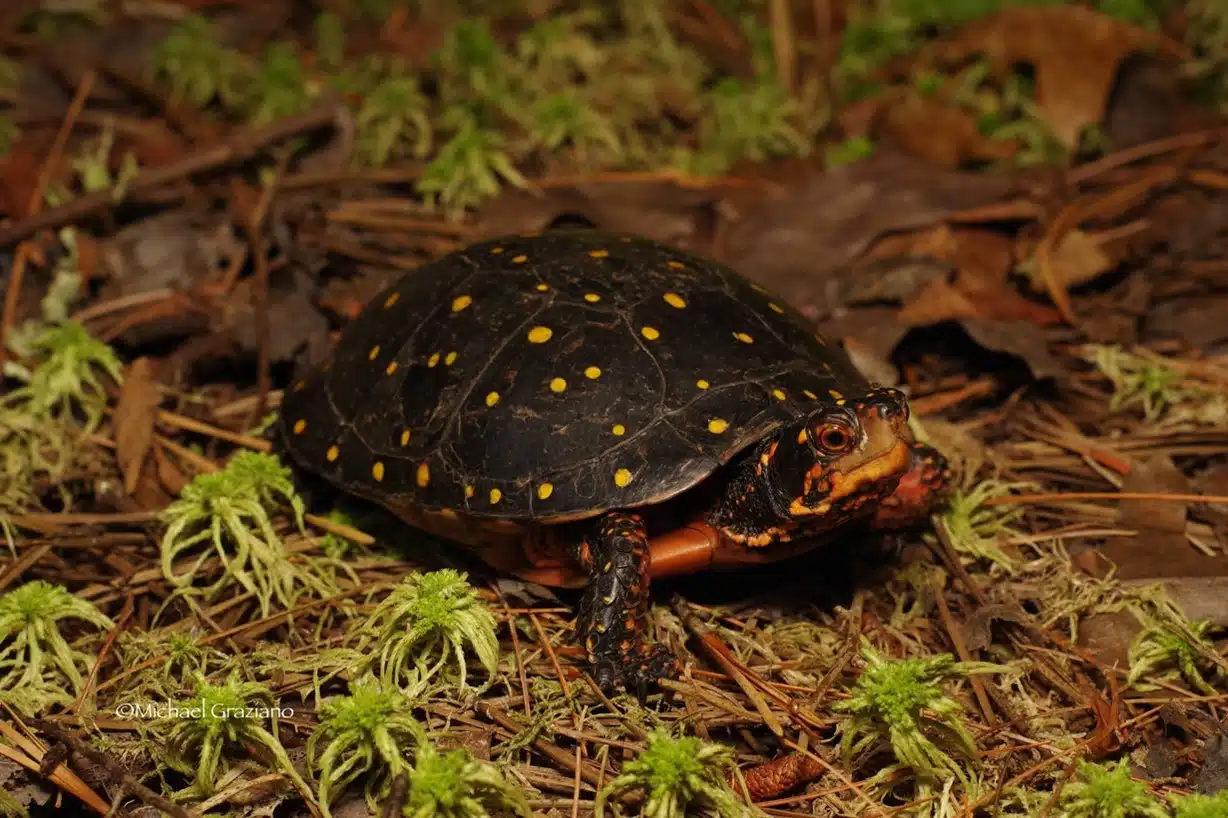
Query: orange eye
{"type": "Point", "coordinates": [835, 438]}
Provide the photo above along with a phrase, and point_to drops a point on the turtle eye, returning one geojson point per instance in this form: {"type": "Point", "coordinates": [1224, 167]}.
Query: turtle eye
{"type": "Point", "coordinates": [834, 438]}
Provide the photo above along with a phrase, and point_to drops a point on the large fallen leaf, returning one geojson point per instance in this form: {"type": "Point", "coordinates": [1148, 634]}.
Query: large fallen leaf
{"type": "Point", "coordinates": [931, 129]}
{"type": "Point", "coordinates": [135, 416]}
{"type": "Point", "coordinates": [1074, 51]}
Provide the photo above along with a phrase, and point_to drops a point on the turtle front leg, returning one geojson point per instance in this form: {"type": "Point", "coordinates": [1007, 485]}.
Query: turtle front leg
{"type": "Point", "coordinates": [614, 609]}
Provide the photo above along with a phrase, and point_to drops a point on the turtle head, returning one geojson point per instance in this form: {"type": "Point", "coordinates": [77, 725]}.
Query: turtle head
{"type": "Point", "coordinates": [842, 461]}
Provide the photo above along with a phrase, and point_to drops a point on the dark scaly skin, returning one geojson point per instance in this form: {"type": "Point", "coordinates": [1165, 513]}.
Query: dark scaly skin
{"type": "Point", "coordinates": [613, 612]}
{"type": "Point", "coordinates": [920, 492]}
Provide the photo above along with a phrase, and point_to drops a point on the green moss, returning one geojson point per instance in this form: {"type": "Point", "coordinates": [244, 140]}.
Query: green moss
{"type": "Point", "coordinates": [679, 775]}
{"type": "Point", "coordinates": [1108, 792]}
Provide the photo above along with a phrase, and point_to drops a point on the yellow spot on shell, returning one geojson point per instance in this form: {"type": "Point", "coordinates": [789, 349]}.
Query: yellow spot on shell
{"type": "Point", "coordinates": [675, 265]}
{"type": "Point", "coordinates": [449, 359]}
{"type": "Point", "coordinates": [810, 394]}
{"type": "Point", "coordinates": [405, 437]}
{"type": "Point", "coordinates": [835, 394]}
{"type": "Point", "coordinates": [541, 288]}
{"type": "Point", "coordinates": [774, 307]}
{"type": "Point", "coordinates": [469, 490]}
{"type": "Point", "coordinates": [433, 360]}
{"type": "Point", "coordinates": [592, 298]}
{"type": "Point", "coordinates": [622, 477]}
{"type": "Point", "coordinates": [424, 475]}
{"type": "Point", "coordinates": [558, 385]}
{"type": "Point", "coordinates": [619, 430]}
{"type": "Point", "coordinates": [332, 453]}
{"type": "Point", "coordinates": [540, 335]}
{"type": "Point", "coordinates": [374, 353]}
{"type": "Point", "coordinates": [520, 259]}
{"type": "Point", "coordinates": [675, 300]}
{"type": "Point", "coordinates": [744, 338]}
{"type": "Point", "coordinates": [599, 253]}
{"type": "Point", "coordinates": [593, 372]}
{"type": "Point", "coordinates": [492, 398]}
{"type": "Point", "coordinates": [494, 251]}
{"type": "Point", "coordinates": [377, 471]}
{"type": "Point", "coordinates": [702, 384]}
{"type": "Point", "coordinates": [651, 333]}
{"type": "Point", "coordinates": [299, 426]}
{"type": "Point", "coordinates": [392, 367]}
{"type": "Point", "coordinates": [779, 394]}
{"type": "Point", "coordinates": [392, 299]}
{"type": "Point", "coordinates": [544, 491]}
{"type": "Point", "coordinates": [717, 425]}
{"type": "Point", "coordinates": [495, 496]}
{"type": "Point", "coordinates": [460, 302]}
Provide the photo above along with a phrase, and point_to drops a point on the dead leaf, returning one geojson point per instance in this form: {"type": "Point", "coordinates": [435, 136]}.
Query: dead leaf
{"type": "Point", "coordinates": [1213, 777]}
{"type": "Point", "coordinates": [1077, 259]}
{"type": "Point", "coordinates": [931, 129]}
{"type": "Point", "coordinates": [1106, 736]}
{"type": "Point", "coordinates": [135, 417]}
{"type": "Point", "coordinates": [978, 630]}
{"type": "Point", "coordinates": [797, 240]}
{"type": "Point", "coordinates": [1074, 52]}
{"type": "Point", "coordinates": [1023, 339]}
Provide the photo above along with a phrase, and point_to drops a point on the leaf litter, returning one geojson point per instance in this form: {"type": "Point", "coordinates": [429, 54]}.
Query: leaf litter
{"type": "Point", "coordinates": [1035, 293]}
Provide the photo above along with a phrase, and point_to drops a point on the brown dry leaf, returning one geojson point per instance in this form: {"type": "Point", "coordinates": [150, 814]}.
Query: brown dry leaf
{"type": "Point", "coordinates": [135, 416]}
{"type": "Point", "coordinates": [931, 129]}
{"type": "Point", "coordinates": [1076, 260]}
{"type": "Point", "coordinates": [1074, 51]}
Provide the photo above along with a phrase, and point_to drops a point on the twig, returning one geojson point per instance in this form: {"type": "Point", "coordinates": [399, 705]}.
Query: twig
{"type": "Point", "coordinates": [114, 769]}
{"type": "Point", "coordinates": [239, 146]}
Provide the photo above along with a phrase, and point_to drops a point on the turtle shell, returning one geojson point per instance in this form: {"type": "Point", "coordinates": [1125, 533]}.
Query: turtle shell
{"type": "Point", "coordinates": [557, 376]}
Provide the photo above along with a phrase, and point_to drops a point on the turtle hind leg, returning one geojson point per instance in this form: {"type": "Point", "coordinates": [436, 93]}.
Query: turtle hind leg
{"type": "Point", "coordinates": [614, 609]}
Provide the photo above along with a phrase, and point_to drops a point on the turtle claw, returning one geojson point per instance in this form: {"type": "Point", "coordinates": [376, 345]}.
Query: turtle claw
{"type": "Point", "coordinates": [639, 678]}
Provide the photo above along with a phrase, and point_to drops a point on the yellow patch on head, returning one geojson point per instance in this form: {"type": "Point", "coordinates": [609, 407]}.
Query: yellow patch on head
{"type": "Point", "coordinates": [744, 337]}
{"type": "Point", "coordinates": [619, 430]}
{"type": "Point", "coordinates": [495, 496]}
{"type": "Point", "coordinates": [449, 359]}
{"type": "Point", "coordinates": [492, 398]}
{"type": "Point", "coordinates": [377, 471]}
{"type": "Point", "coordinates": [405, 435]}
{"type": "Point", "coordinates": [558, 385]}
{"type": "Point", "coordinates": [674, 300]}
{"type": "Point", "coordinates": [835, 394]}
{"type": "Point", "coordinates": [374, 353]}
{"type": "Point", "coordinates": [622, 477]}
{"type": "Point", "coordinates": [544, 491]}
{"type": "Point", "coordinates": [675, 265]}
{"type": "Point", "coordinates": [494, 251]}
{"type": "Point", "coordinates": [593, 372]}
{"type": "Point", "coordinates": [299, 426]}
{"type": "Point", "coordinates": [433, 360]}
{"type": "Point", "coordinates": [717, 425]}
{"type": "Point", "coordinates": [599, 253]}
{"type": "Point", "coordinates": [392, 367]}
{"type": "Point", "coordinates": [810, 394]}
{"type": "Point", "coordinates": [702, 384]}
{"type": "Point", "coordinates": [779, 394]}
{"type": "Point", "coordinates": [592, 298]}
{"type": "Point", "coordinates": [332, 454]}
{"type": "Point", "coordinates": [540, 335]}
{"type": "Point", "coordinates": [460, 302]}
{"type": "Point", "coordinates": [392, 299]}
{"type": "Point", "coordinates": [541, 288]}
{"type": "Point", "coordinates": [300, 386]}
{"type": "Point", "coordinates": [520, 259]}
{"type": "Point", "coordinates": [424, 475]}
{"type": "Point", "coordinates": [469, 490]}
{"type": "Point", "coordinates": [774, 307]}
{"type": "Point", "coordinates": [651, 333]}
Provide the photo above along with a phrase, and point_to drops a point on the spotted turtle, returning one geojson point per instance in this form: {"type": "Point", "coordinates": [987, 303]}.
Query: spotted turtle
{"type": "Point", "coordinates": [591, 409]}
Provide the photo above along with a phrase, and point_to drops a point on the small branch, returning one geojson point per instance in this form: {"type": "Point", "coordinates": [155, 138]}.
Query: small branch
{"type": "Point", "coordinates": [239, 146]}
{"type": "Point", "coordinates": [114, 769]}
